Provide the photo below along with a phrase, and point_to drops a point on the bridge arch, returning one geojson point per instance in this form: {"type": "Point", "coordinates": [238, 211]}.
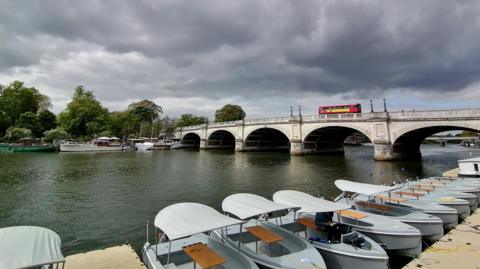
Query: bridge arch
{"type": "Point", "coordinates": [331, 139]}
{"type": "Point", "coordinates": [267, 139]}
{"type": "Point", "coordinates": [190, 140]}
{"type": "Point", "coordinates": [406, 144]}
{"type": "Point", "coordinates": [221, 139]}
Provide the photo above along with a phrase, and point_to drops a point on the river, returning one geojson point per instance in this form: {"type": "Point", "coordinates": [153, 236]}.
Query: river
{"type": "Point", "coordinates": [96, 200]}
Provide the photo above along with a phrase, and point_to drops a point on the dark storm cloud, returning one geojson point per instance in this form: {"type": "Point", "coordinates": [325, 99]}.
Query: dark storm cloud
{"type": "Point", "coordinates": [219, 49]}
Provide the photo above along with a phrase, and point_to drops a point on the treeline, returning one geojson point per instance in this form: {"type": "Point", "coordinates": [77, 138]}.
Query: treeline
{"type": "Point", "coordinates": [24, 113]}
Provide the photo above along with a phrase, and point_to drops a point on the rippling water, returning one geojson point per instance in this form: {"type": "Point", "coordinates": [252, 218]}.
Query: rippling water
{"type": "Point", "coordinates": [95, 200]}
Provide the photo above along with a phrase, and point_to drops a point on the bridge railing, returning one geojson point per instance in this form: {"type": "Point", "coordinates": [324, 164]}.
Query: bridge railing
{"type": "Point", "coordinates": [422, 114]}
{"type": "Point", "coordinates": [429, 114]}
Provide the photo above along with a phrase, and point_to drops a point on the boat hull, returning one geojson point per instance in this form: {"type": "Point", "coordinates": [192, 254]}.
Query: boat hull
{"type": "Point", "coordinates": [87, 148]}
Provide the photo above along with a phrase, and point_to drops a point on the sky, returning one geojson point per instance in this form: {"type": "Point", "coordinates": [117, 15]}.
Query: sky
{"type": "Point", "coordinates": [264, 55]}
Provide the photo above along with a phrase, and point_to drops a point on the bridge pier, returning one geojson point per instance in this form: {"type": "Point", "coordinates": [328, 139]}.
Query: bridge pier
{"type": "Point", "coordinates": [296, 147]}
{"type": "Point", "coordinates": [383, 151]}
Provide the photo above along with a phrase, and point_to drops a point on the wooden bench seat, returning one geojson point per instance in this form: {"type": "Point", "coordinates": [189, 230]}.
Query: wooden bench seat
{"type": "Point", "coordinates": [374, 205]}
{"type": "Point", "coordinates": [203, 255]}
{"type": "Point", "coordinates": [412, 194]}
{"type": "Point", "coordinates": [432, 184]}
{"type": "Point", "coordinates": [390, 199]}
{"type": "Point", "coordinates": [419, 188]}
{"type": "Point", "coordinates": [352, 214]}
{"type": "Point", "coordinates": [308, 222]}
{"type": "Point", "coordinates": [264, 234]}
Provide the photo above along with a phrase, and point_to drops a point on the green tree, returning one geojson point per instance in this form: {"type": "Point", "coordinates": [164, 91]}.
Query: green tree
{"type": "Point", "coordinates": [229, 113]}
{"type": "Point", "coordinates": [469, 134]}
{"type": "Point", "coordinates": [47, 120]}
{"type": "Point", "coordinates": [29, 120]}
{"type": "Point", "coordinates": [189, 119]}
{"type": "Point", "coordinates": [84, 116]}
{"type": "Point", "coordinates": [122, 123]}
{"type": "Point", "coordinates": [145, 110]}
{"type": "Point", "coordinates": [16, 133]}
{"type": "Point", "coordinates": [53, 134]}
{"type": "Point", "coordinates": [16, 99]}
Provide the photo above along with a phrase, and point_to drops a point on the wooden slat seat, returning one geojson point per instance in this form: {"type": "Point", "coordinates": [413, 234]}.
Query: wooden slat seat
{"type": "Point", "coordinates": [264, 234]}
{"type": "Point", "coordinates": [352, 214]}
{"type": "Point", "coordinates": [432, 184]}
{"type": "Point", "coordinates": [203, 255]}
{"type": "Point", "coordinates": [374, 205]}
{"type": "Point", "coordinates": [390, 199]}
{"type": "Point", "coordinates": [419, 188]}
{"type": "Point", "coordinates": [412, 194]}
{"type": "Point", "coordinates": [308, 222]}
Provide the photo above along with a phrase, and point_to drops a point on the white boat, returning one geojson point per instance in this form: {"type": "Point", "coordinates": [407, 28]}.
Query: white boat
{"type": "Point", "coordinates": [144, 146]}
{"type": "Point", "coordinates": [361, 196]}
{"type": "Point", "coordinates": [30, 247]}
{"type": "Point", "coordinates": [268, 244]}
{"type": "Point", "coordinates": [184, 243]}
{"type": "Point", "coordinates": [354, 250]}
{"type": "Point", "coordinates": [177, 145]}
{"type": "Point", "coordinates": [469, 167]}
{"type": "Point", "coordinates": [97, 145]}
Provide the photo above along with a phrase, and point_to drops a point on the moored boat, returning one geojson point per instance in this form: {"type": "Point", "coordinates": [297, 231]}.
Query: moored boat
{"type": "Point", "coordinates": [268, 244]}
{"type": "Point", "coordinates": [361, 196]}
{"type": "Point", "coordinates": [100, 144]}
{"type": "Point", "coordinates": [353, 250]}
{"type": "Point", "coordinates": [30, 247]}
{"type": "Point", "coordinates": [183, 242]}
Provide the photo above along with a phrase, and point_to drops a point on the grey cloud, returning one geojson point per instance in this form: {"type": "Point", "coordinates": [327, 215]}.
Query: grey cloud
{"type": "Point", "coordinates": [250, 49]}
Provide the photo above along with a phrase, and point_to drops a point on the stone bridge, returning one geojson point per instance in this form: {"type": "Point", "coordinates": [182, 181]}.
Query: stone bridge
{"type": "Point", "coordinates": [394, 135]}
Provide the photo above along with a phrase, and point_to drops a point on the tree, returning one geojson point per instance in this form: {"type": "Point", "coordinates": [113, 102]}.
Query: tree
{"type": "Point", "coordinates": [16, 99]}
{"type": "Point", "coordinates": [229, 113]}
{"type": "Point", "coordinates": [17, 133]}
{"type": "Point", "coordinates": [55, 134]}
{"type": "Point", "coordinates": [189, 119]}
{"type": "Point", "coordinates": [122, 123]}
{"type": "Point", "coordinates": [29, 120]}
{"type": "Point", "coordinates": [47, 120]}
{"type": "Point", "coordinates": [84, 116]}
{"type": "Point", "coordinates": [145, 110]}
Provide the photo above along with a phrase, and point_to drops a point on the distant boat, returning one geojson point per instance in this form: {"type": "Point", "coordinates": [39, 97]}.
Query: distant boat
{"type": "Point", "coordinates": [144, 146]}
{"type": "Point", "coordinates": [100, 144]}
{"type": "Point", "coordinates": [27, 145]}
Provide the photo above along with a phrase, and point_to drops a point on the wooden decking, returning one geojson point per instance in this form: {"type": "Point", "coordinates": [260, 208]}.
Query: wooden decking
{"type": "Point", "coordinates": [460, 248]}
{"type": "Point", "coordinates": [119, 257]}
{"type": "Point", "coordinates": [451, 173]}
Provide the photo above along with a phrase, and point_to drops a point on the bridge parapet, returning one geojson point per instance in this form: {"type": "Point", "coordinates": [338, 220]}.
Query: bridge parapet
{"type": "Point", "coordinates": [436, 114]}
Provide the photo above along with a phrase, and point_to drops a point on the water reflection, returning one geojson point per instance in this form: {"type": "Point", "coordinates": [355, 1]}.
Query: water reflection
{"type": "Point", "coordinates": [102, 199]}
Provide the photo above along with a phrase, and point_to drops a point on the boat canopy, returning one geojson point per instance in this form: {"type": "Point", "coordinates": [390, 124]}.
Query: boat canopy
{"type": "Point", "coordinates": [103, 138]}
{"type": "Point", "coordinates": [307, 202]}
{"type": "Point", "coordinates": [246, 205]}
{"type": "Point", "coordinates": [29, 246]}
{"type": "Point", "coordinates": [185, 219]}
{"type": "Point", "coordinates": [363, 188]}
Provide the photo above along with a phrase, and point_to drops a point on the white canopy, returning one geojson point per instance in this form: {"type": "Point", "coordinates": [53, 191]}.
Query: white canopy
{"type": "Point", "coordinates": [307, 202]}
{"type": "Point", "coordinates": [29, 246]}
{"type": "Point", "coordinates": [103, 138]}
{"type": "Point", "coordinates": [363, 188]}
{"type": "Point", "coordinates": [246, 205]}
{"type": "Point", "coordinates": [185, 219]}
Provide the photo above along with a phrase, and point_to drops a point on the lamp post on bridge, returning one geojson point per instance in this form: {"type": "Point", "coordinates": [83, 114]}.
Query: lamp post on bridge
{"type": "Point", "coordinates": [300, 111]}
{"type": "Point", "coordinates": [371, 106]}
{"type": "Point", "coordinates": [384, 105]}
{"type": "Point", "coordinates": [291, 111]}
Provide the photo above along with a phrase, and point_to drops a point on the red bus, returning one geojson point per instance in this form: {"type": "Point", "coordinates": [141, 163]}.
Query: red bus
{"type": "Point", "coordinates": [352, 108]}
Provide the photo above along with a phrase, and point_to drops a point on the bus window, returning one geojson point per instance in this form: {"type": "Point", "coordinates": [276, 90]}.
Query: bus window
{"type": "Point", "coordinates": [475, 165]}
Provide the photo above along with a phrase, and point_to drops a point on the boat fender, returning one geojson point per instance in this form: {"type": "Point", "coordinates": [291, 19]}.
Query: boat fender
{"type": "Point", "coordinates": [317, 239]}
